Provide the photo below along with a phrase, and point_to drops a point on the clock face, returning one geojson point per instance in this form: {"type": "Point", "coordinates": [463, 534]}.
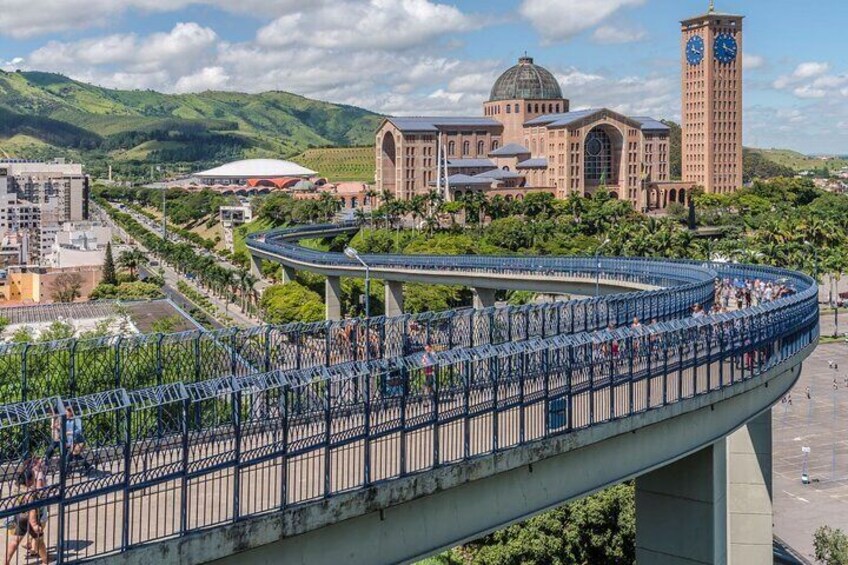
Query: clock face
{"type": "Point", "coordinates": [695, 50]}
{"type": "Point", "coordinates": [725, 48]}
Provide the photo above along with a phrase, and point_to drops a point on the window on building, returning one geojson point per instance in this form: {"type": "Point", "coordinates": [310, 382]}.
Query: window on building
{"type": "Point", "coordinates": [598, 157]}
{"type": "Point", "coordinates": [466, 148]}
{"type": "Point", "coordinates": [509, 109]}
{"type": "Point", "coordinates": [495, 145]}
{"type": "Point", "coordinates": [481, 148]}
{"type": "Point", "coordinates": [452, 148]}
{"type": "Point", "coordinates": [516, 108]}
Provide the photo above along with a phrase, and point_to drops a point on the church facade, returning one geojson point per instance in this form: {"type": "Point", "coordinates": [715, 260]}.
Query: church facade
{"type": "Point", "coordinates": [529, 139]}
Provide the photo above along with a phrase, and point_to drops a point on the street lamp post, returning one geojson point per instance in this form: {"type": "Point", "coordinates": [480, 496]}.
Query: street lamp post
{"type": "Point", "coordinates": [598, 266]}
{"type": "Point", "coordinates": [351, 253]}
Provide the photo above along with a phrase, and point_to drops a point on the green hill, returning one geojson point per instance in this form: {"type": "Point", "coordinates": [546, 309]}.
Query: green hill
{"type": "Point", "coordinates": [800, 162]}
{"type": "Point", "coordinates": [43, 113]}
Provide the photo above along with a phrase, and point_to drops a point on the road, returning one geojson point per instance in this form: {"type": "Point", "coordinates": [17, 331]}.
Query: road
{"type": "Point", "coordinates": [171, 277]}
{"type": "Point", "coordinates": [156, 228]}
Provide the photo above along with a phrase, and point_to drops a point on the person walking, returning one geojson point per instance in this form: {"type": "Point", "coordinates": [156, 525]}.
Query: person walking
{"type": "Point", "coordinates": [27, 523]}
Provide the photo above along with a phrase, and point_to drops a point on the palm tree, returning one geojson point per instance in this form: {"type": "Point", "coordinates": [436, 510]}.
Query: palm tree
{"type": "Point", "coordinates": [416, 206]}
{"type": "Point", "coordinates": [131, 260]}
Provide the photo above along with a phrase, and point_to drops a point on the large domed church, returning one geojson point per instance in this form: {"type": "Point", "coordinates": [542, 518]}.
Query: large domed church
{"type": "Point", "coordinates": [527, 140]}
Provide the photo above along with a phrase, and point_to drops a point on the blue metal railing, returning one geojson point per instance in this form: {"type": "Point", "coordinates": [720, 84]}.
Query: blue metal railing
{"type": "Point", "coordinates": [176, 436]}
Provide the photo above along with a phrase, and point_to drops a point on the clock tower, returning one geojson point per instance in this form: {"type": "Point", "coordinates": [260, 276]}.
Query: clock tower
{"type": "Point", "coordinates": [711, 144]}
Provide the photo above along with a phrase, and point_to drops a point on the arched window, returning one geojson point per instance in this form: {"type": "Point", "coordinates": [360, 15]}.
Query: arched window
{"type": "Point", "coordinates": [529, 108]}
{"type": "Point", "coordinates": [557, 109]}
{"type": "Point", "coordinates": [353, 202]}
{"type": "Point", "coordinates": [342, 202]}
{"type": "Point", "coordinates": [537, 108]}
{"type": "Point", "coordinates": [466, 148]}
{"type": "Point", "coordinates": [452, 148]}
{"type": "Point", "coordinates": [516, 108]}
{"type": "Point", "coordinates": [533, 148]}
{"type": "Point", "coordinates": [495, 145]}
{"type": "Point", "coordinates": [481, 148]}
{"type": "Point", "coordinates": [509, 109]}
{"type": "Point", "coordinates": [598, 157]}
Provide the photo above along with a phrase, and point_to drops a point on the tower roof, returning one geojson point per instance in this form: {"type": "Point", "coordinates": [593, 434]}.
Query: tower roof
{"type": "Point", "coordinates": [526, 81]}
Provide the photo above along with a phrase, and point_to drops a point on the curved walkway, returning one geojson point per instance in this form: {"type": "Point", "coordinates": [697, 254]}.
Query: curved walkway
{"type": "Point", "coordinates": [341, 414]}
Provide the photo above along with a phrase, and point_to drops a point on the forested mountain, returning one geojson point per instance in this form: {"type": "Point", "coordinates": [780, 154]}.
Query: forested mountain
{"type": "Point", "coordinates": [46, 115]}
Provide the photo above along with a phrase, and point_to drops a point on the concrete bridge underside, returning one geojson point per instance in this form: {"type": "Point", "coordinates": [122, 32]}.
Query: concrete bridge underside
{"type": "Point", "coordinates": [701, 496]}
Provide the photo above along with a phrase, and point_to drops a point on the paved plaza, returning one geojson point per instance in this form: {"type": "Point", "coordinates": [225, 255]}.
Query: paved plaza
{"type": "Point", "coordinates": [820, 423]}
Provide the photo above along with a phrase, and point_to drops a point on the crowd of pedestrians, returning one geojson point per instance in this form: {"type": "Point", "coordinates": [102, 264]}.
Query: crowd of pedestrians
{"type": "Point", "coordinates": [745, 293]}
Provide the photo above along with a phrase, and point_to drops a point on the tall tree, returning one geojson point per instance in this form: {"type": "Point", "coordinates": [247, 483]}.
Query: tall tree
{"type": "Point", "coordinates": [67, 287]}
{"type": "Point", "coordinates": [109, 274]}
{"type": "Point", "coordinates": [131, 260]}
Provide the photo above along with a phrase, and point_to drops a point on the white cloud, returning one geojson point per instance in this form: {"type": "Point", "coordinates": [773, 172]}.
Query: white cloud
{"type": "Point", "coordinates": [375, 24]}
{"type": "Point", "coordinates": [560, 20]}
{"type": "Point", "coordinates": [130, 61]}
{"type": "Point", "coordinates": [29, 18]}
{"type": "Point", "coordinates": [607, 34]}
{"type": "Point", "coordinates": [809, 91]}
{"type": "Point", "coordinates": [751, 62]}
{"type": "Point", "coordinates": [811, 69]}
{"type": "Point", "coordinates": [207, 78]}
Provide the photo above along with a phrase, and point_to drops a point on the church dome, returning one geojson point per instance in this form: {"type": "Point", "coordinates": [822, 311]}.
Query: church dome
{"type": "Point", "coordinates": [526, 81]}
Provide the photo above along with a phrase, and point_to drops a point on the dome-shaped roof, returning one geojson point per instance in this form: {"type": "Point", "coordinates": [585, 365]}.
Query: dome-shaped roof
{"type": "Point", "coordinates": [526, 81]}
{"type": "Point", "coordinates": [257, 168]}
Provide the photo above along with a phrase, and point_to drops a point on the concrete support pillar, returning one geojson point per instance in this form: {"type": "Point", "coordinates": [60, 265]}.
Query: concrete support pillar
{"type": "Point", "coordinates": [394, 298]}
{"type": "Point", "coordinates": [288, 274]}
{"type": "Point", "coordinates": [483, 297]}
{"type": "Point", "coordinates": [749, 494]}
{"type": "Point", "coordinates": [255, 266]}
{"type": "Point", "coordinates": [333, 298]}
{"type": "Point", "coordinates": [714, 506]}
{"type": "Point", "coordinates": [681, 510]}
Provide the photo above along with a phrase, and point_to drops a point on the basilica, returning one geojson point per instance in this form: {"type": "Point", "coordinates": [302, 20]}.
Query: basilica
{"type": "Point", "coordinates": [528, 139]}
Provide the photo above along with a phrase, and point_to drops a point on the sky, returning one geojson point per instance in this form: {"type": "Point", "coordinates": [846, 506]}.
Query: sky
{"type": "Point", "coordinates": [419, 57]}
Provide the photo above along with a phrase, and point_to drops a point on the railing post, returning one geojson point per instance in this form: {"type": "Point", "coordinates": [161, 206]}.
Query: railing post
{"type": "Point", "coordinates": [284, 478]}
{"type": "Point", "coordinates": [72, 370]}
{"type": "Point", "coordinates": [197, 370]}
{"type": "Point", "coordinates": [184, 473]}
{"type": "Point", "coordinates": [118, 367]}
{"type": "Point", "coordinates": [679, 370]}
{"type": "Point", "coordinates": [267, 349]}
{"type": "Point", "coordinates": [612, 371]}
{"type": "Point", "coordinates": [592, 391]}
{"type": "Point", "coordinates": [25, 373]}
{"type": "Point", "coordinates": [569, 396]}
{"type": "Point", "coordinates": [236, 413]}
{"type": "Point", "coordinates": [367, 424]}
{"type": "Point", "coordinates": [404, 374]}
{"type": "Point", "coordinates": [467, 369]}
{"type": "Point", "coordinates": [631, 384]}
{"type": "Point", "coordinates": [665, 368]}
{"type": "Point", "coordinates": [436, 430]}
{"type": "Point", "coordinates": [494, 374]}
{"type": "Point", "coordinates": [126, 518]}
{"type": "Point", "coordinates": [328, 397]}
{"type": "Point", "coordinates": [695, 361]}
{"type": "Point", "coordinates": [521, 414]}
{"type": "Point", "coordinates": [63, 484]}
